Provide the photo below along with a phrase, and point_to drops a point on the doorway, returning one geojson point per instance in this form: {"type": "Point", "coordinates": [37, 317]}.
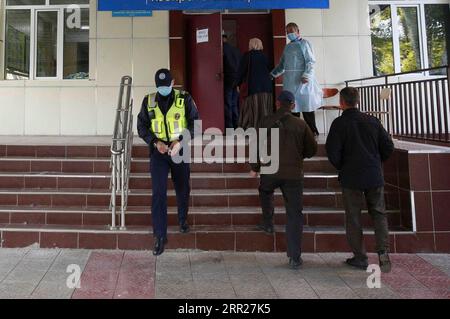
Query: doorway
{"type": "Point", "coordinates": [199, 67]}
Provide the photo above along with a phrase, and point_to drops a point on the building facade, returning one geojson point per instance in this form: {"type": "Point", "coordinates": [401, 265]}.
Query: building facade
{"type": "Point", "coordinates": [76, 92]}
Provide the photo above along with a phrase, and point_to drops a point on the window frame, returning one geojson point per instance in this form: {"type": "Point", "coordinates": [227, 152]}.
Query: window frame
{"type": "Point", "coordinates": [423, 37]}
{"type": "Point", "coordinates": [34, 9]}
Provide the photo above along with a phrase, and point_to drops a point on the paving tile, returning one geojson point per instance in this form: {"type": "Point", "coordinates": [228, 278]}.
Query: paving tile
{"type": "Point", "coordinates": [416, 293]}
{"type": "Point", "coordinates": [100, 275]}
{"type": "Point", "coordinates": [136, 276]}
{"type": "Point", "coordinates": [435, 282]}
{"type": "Point", "coordinates": [16, 289]}
{"type": "Point", "coordinates": [176, 291]}
{"type": "Point", "coordinates": [324, 281]}
{"type": "Point", "coordinates": [376, 293]}
{"type": "Point", "coordinates": [439, 260]}
{"type": "Point", "coordinates": [355, 281]}
{"type": "Point", "coordinates": [401, 282]}
{"type": "Point", "coordinates": [52, 290]}
{"type": "Point", "coordinates": [336, 293]}
{"type": "Point", "coordinates": [25, 275]}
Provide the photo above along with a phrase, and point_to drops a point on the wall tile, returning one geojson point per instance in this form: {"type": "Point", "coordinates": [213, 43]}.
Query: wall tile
{"type": "Point", "coordinates": [12, 108]}
{"type": "Point", "coordinates": [415, 243]}
{"type": "Point", "coordinates": [78, 112]}
{"type": "Point", "coordinates": [42, 111]}
{"type": "Point", "coordinates": [424, 213]}
{"type": "Point", "coordinates": [419, 173]}
{"type": "Point", "coordinates": [365, 52]}
{"type": "Point", "coordinates": [106, 106]}
{"type": "Point", "coordinates": [341, 19]}
{"type": "Point", "coordinates": [115, 60]}
{"type": "Point", "coordinates": [363, 17]}
{"type": "Point", "coordinates": [441, 204]}
{"type": "Point", "coordinates": [440, 171]}
{"type": "Point", "coordinates": [156, 26]}
{"type": "Point", "coordinates": [341, 59]}
{"type": "Point", "coordinates": [149, 55]}
{"type": "Point", "coordinates": [309, 21]}
{"type": "Point", "coordinates": [112, 27]}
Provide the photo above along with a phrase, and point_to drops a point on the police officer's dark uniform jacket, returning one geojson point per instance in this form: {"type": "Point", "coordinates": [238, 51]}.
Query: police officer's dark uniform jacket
{"type": "Point", "coordinates": [164, 119]}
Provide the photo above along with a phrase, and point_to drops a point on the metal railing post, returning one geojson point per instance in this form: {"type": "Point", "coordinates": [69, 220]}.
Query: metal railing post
{"type": "Point", "coordinates": [122, 211]}
{"type": "Point", "coordinates": [121, 152]}
{"type": "Point", "coordinates": [113, 194]}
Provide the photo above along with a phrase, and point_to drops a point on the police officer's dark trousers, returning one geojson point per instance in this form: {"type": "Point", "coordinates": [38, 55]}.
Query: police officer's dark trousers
{"type": "Point", "coordinates": [160, 166]}
{"type": "Point", "coordinates": [292, 190]}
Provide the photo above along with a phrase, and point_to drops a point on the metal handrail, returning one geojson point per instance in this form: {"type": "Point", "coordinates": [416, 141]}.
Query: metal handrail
{"type": "Point", "coordinates": [121, 147]}
{"type": "Point", "coordinates": [413, 108]}
{"type": "Point", "coordinates": [387, 76]}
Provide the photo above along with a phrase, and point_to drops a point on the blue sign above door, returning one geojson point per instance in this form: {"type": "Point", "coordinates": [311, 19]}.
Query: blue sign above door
{"type": "Point", "coordinates": [132, 13]}
{"type": "Point", "coordinates": [114, 5]}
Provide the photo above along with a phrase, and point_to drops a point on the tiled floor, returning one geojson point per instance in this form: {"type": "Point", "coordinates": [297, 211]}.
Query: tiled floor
{"type": "Point", "coordinates": [42, 273]}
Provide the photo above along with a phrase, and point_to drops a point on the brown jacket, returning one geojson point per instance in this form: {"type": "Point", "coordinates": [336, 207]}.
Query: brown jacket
{"type": "Point", "coordinates": [296, 142]}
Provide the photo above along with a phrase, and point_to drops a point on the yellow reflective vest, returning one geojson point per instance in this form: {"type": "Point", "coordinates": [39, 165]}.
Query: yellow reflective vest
{"type": "Point", "coordinates": [168, 127]}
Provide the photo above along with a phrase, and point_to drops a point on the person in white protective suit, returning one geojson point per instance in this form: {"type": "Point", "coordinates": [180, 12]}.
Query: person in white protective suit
{"type": "Point", "coordinates": [297, 67]}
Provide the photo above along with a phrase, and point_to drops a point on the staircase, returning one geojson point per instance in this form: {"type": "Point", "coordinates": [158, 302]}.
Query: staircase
{"type": "Point", "coordinates": [58, 196]}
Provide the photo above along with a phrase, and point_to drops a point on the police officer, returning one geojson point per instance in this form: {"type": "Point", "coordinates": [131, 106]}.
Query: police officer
{"type": "Point", "coordinates": [162, 119]}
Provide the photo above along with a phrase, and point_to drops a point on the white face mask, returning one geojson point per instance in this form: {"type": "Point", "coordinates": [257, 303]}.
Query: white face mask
{"type": "Point", "coordinates": [164, 90]}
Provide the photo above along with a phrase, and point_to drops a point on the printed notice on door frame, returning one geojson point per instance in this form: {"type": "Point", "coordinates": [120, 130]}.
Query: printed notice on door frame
{"type": "Point", "coordinates": [202, 36]}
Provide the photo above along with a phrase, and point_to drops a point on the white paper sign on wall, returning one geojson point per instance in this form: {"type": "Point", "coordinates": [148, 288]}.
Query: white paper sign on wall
{"type": "Point", "coordinates": [202, 36]}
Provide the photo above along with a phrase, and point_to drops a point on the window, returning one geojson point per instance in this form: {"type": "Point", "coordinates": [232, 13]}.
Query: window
{"type": "Point", "coordinates": [409, 35]}
{"type": "Point", "coordinates": [47, 39]}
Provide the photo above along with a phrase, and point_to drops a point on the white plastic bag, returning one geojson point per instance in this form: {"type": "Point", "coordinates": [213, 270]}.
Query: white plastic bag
{"type": "Point", "coordinates": [310, 96]}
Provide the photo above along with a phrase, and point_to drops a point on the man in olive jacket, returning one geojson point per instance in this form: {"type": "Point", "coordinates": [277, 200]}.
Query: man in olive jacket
{"type": "Point", "coordinates": [296, 142]}
{"type": "Point", "coordinates": [357, 144]}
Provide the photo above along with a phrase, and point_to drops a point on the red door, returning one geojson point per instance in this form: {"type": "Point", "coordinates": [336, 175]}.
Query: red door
{"type": "Point", "coordinates": [205, 70]}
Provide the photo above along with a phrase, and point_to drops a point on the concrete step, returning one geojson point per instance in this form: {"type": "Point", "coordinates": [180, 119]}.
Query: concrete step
{"type": "Point", "coordinates": [198, 216]}
{"type": "Point", "coordinates": [40, 180]}
{"type": "Point", "coordinates": [220, 238]}
{"type": "Point", "coordinates": [140, 165]}
{"type": "Point", "coordinates": [100, 151]}
{"type": "Point", "coordinates": [199, 197]}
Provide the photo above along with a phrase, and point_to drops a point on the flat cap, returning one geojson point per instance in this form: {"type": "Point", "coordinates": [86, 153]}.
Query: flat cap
{"type": "Point", "coordinates": [286, 96]}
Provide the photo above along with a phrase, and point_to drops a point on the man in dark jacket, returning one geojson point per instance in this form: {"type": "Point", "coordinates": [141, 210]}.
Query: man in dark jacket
{"type": "Point", "coordinates": [298, 143]}
{"type": "Point", "coordinates": [357, 144]}
{"type": "Point", "coordinates": [161, 122]}
{"type": "Point", "coordinates": [231, 59]}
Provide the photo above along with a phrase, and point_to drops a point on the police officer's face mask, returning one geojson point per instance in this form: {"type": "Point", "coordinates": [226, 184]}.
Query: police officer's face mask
{"type": "Point", "coordinates": [164, 90]}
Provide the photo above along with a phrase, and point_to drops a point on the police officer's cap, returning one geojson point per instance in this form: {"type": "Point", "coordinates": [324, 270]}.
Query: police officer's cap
{"type": "Point", "coordinates": [163, 78]}
{"type": "Point", "coordinates": [286, 96]}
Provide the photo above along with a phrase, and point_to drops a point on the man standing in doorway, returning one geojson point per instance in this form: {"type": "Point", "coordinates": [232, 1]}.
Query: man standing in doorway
{"type": "Point", "coordinates": [297, 67]}
{"type": "Point", "coordinates": [162, 119]}
{"type": "Point", "coordinates": [231, 59]}
{"type": "Point", "coordinates": [296, 142]}
{"type": "Point", "coordinates": [357, 144]}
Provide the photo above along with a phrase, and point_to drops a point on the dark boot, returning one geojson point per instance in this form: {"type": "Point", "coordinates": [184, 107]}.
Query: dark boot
{"type": "Point", "coordinates": [266, 227]}
{"type": "Point", "coordinates": [184, 228]}
{"type": "Point", "coordinates": [358, 263]}
{"type": "Point", "coordinates": [295, 263]}
{"type": "Point", "coordinates": [159, 245]}
{"type": "Point", "coordinates": [384, 262]}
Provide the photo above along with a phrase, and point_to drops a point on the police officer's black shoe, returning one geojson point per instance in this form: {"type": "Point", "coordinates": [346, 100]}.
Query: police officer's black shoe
{"type": "Point", "coordinates": [295, 263]}
{"type": "Point", "coordinates": [159, 245]}
{"type": "Point", "coordinates": [184, 228]}
{"type": "Point", "coordinates": [357, 263]}
{"type": "Point", "coordinates": [265, 227]}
